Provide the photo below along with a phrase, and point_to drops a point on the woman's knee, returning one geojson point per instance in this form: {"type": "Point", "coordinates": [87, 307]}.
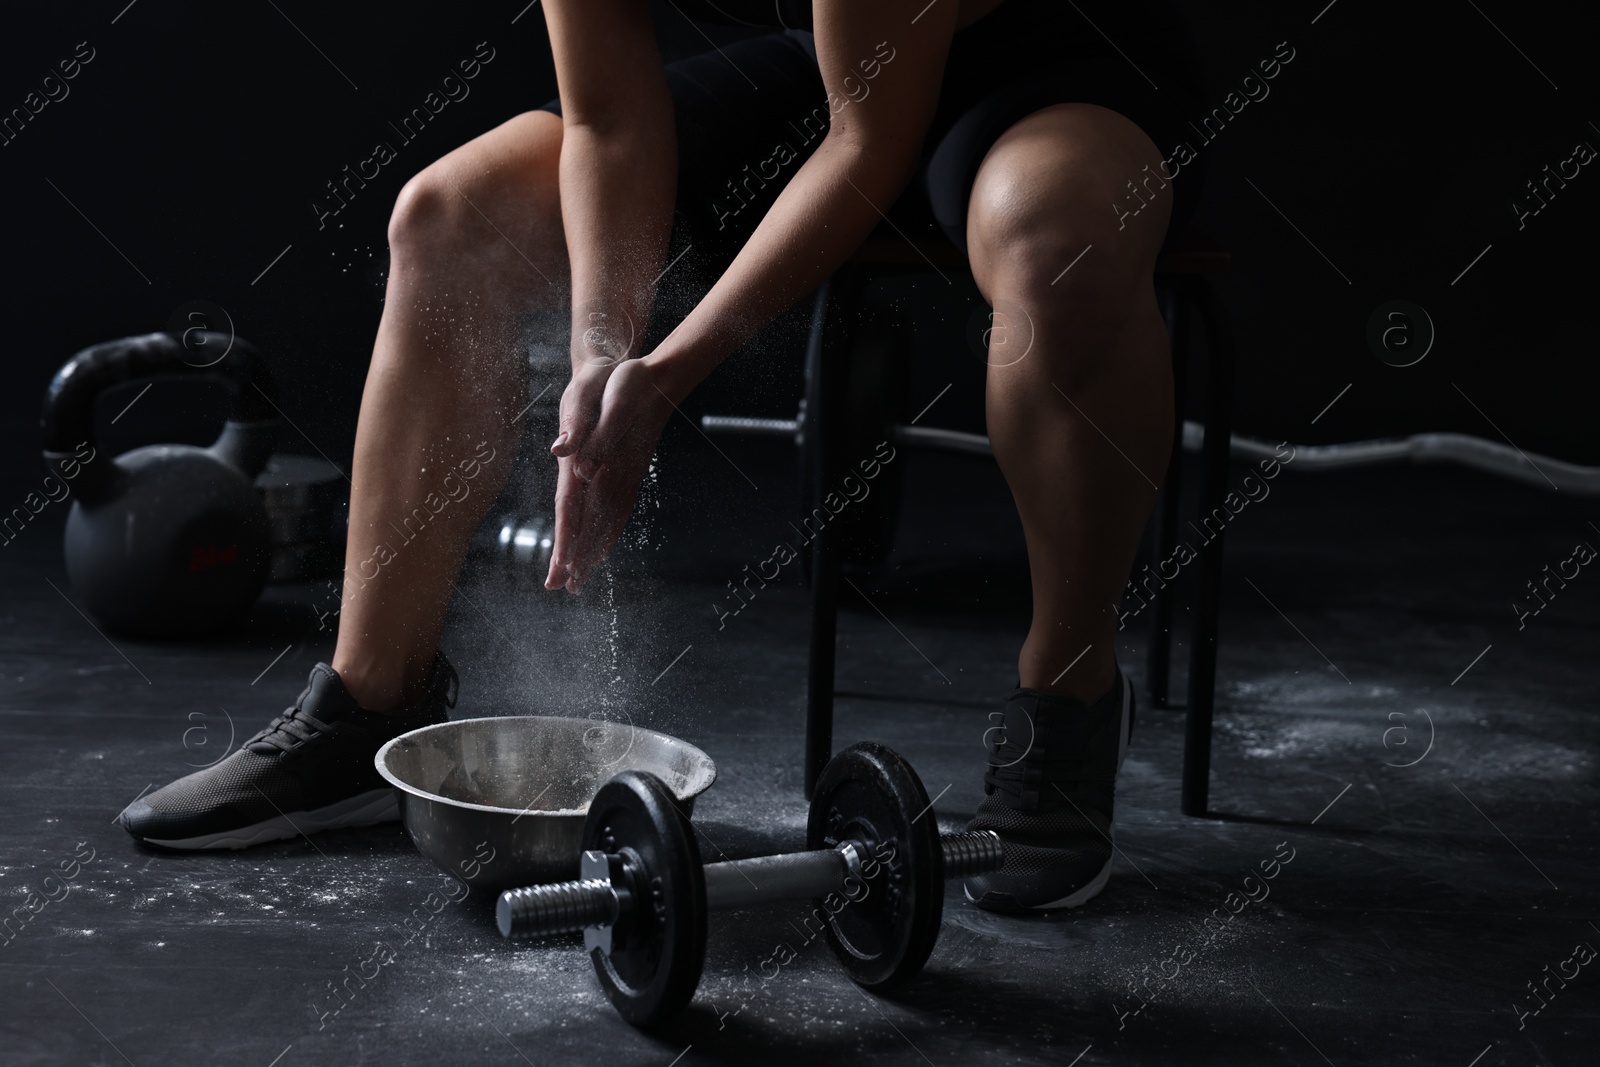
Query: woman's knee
{"type": "Point", "coordinates": [421, 211]}
{"type": "Point", "coordinates": [1044, 227]}
{"type": "Point", "coordinates": [505, 181]}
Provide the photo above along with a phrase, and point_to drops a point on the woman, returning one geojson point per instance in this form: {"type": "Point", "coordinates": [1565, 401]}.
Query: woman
{"type": "Point", "coordinates": [1032, 133]}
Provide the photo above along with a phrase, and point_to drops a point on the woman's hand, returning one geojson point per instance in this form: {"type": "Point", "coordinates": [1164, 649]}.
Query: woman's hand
{"type": "Point", "coordinates": [611, 419]}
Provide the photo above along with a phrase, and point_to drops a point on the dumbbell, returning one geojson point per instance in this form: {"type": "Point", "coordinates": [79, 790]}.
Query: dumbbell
{"type": "Point", "coordinates": [876, 867]}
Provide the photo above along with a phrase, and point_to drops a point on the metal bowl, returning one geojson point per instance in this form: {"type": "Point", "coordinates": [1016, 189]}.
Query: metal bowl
{"type": "Point", "coordinates": [500, 802]}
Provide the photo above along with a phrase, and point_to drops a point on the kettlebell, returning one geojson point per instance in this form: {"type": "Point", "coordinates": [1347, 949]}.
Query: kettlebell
{"type": "Point", "coordinates": [164, 541]}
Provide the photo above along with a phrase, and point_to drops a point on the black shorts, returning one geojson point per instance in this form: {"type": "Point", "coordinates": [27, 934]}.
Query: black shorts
{"type": "Point", "coordinates": [748, 114]}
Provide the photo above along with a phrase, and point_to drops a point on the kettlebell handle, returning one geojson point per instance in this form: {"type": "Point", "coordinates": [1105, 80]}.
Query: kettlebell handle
{"type": "Point", "coordinates": [67, 422]}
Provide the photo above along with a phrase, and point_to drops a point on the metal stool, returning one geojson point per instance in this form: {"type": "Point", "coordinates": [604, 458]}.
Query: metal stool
{"type": "Point", "coordinates": [1184, 279]}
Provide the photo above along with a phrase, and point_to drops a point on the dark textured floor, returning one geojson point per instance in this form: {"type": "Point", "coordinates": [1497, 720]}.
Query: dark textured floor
{"type": "Point", "coordinates": [1420, 902]}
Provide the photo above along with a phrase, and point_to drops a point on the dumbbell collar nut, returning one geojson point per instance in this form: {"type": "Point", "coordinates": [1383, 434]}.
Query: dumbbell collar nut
{"type": "Point", "coordinates": [854, 868]}
{"type": "Point", "coordinates": [616, 870]}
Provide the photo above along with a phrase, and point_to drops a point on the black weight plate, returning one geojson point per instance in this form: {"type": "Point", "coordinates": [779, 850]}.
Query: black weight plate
{"type": "Point", "coordinates": [869, 793]}
{"type": "Point", "coordinates": [655, 959]}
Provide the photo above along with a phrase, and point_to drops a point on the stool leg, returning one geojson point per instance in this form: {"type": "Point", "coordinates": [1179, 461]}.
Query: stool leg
{"type": "Point", "coordinates": [808, 439]}
{"type": "Point", "coordinates": [826, 407]}
{"type": "Point", "coordinates": [1158, 659]}
{"type": "Point", "coordinates": [824, 632]}
{"type": "Point", "coordinates": [1203, 653]}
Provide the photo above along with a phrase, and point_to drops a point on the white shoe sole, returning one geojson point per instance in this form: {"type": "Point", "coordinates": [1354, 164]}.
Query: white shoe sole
{"type": "Point", "coordinates": [364, 809]}
{"type": "Point", "coordinates": [1088, 892]}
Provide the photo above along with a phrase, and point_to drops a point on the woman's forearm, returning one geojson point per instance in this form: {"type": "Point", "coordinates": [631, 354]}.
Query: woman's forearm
{"type": "Point", "coordinates": [822, 215]}
{"type": "Point", "coordinates": [619, 166]}
{"type": "Point", "coordinates": [617, 189]}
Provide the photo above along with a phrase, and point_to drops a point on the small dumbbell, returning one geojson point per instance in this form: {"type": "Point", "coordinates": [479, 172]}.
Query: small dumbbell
{"type": "Point", "coordinates": [875, 867]}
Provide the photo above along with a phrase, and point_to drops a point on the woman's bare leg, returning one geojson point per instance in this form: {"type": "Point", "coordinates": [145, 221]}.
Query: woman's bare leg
{"type": "Point", "coordinates": [1082, 424]}
{"type": "Point", "coordinates": [475, 244]}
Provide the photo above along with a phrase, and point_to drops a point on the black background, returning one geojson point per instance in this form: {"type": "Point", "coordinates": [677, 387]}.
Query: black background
{"type": "Point", "coordinates": [197, 138]}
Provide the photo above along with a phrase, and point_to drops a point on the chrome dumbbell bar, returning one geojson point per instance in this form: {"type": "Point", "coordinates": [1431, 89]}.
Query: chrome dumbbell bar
{"type": "Point", "coordinates": [603, 895]}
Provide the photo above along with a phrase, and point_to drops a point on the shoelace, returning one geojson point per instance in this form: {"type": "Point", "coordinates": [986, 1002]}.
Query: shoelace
{"type": "Point", "coordinates": [1007, 771]}
{"type": "Point", "coordinates": [1053, 766]}
{"type": "Point", "coordinates": [294, 727]}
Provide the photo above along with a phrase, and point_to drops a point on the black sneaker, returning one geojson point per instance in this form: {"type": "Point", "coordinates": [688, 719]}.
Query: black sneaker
{"type": "Point", "coordinates": [1049, 789]}
{"type": "Point", "coordinates": [311, 769]}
